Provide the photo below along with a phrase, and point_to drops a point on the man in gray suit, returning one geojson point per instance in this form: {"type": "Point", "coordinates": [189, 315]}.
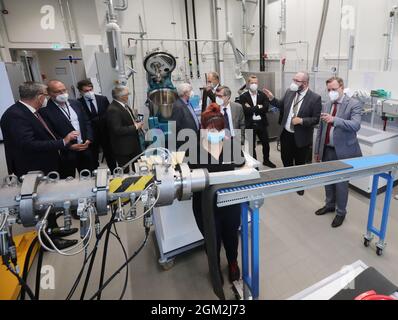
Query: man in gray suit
{"type": "Point", "coordinates": [336, 140]}
{"type": "Point", "coordinates": [233, 113]}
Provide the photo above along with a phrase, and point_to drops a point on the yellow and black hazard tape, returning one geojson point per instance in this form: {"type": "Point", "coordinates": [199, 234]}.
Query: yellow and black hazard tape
{"type": "Point", "coordinates": [130, 184]}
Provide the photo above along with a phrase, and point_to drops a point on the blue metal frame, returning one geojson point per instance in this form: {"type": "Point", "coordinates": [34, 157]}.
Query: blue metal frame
{"type": "Point", "coordinates": [250, 275]}
{"type": "Point", "coordinates": [371, 229]}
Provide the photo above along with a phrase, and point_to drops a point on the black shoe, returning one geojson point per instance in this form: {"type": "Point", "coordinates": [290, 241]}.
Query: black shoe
{"type": "Point", "coordinates": [324, 210]}
{"type": "Point", "coordinates": [60, 232]}
{"type": "Point", "coordinates": [268, 163]}
{"type": "Point", "coordinates": [338, 221]}
{"type": "Point", "coordinates": [300, 193]}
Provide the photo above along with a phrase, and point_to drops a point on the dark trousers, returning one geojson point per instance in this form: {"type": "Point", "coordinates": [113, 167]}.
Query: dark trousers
{"type": "Point", "coordinates": [73, 160]}
{"type": "Point", "coordinates": [336, 194]}
{"type": "Point", "coordinates": [227, 222]}
{"type": "Point", "coordinates": [262, 133]}
{"type": "Point", "coordinates": [102, 141]}
{"type": "Point", "coordinates": [290, 153]}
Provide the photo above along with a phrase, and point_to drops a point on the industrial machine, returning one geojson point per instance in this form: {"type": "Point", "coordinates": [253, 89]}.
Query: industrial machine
{"type": "Point", "coordinates": [161, 91]}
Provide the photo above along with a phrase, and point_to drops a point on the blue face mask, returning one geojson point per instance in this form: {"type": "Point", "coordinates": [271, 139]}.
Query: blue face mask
{"type": "Point", "coordinates": [215, 137]}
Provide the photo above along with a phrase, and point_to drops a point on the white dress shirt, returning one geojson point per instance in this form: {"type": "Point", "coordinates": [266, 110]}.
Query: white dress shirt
{"type": "Point", "coordinates": [71, 115]}
{"type": "Point", "coordinates": [331, 139]}
{"type": "Point", "coordinates": [231, 124]}
{"type": "Point", "coordinates": [31, 109]}
{"type": "Point", "coordinates": [291, 113]}
{"type": "Point", "coordinates": [254, 99]}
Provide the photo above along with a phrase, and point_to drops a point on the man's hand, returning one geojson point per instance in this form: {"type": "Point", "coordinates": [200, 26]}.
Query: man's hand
{"type": "Point", "coordinates": [328, 118]}
{"type": "Point", "coordinates": [297, 121]}
{"type": "Point", "coordinates": [269, 94]}
{"type": "Point", "coordinates": [79, 147]}
{"type": "Point", "coordinates": [71, 136]}
{"type": "Point", "coordinates": [317, 158]}
{"type": "Point", "coordinates": [139, 125]}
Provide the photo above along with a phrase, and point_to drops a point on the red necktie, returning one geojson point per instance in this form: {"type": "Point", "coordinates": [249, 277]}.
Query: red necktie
{"type": "Point", "coordinates": [39, 117]}
{"type": "Point", "coordinates": [327, 139]}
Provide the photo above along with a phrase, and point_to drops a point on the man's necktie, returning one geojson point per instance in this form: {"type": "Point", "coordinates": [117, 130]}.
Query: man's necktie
{"type": "Point", "coordinates": [327, 139]}
{"type": "Point", "coordinates": [226, 119]}
{"type": "Point", "coordinates": [39, 117]}
{"type": "Point", "coordinates": [130, 112]}
{"type": "Point", "coordinates": [92, 108]}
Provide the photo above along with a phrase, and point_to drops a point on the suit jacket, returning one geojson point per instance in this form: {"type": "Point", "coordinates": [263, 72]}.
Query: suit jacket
{"type": "Point", "coordinates": [346, 125]}
{"type": "Point", "coordinates": [123, 134]}
{"type": "Point", "coordinates": [28, 145]}
{"type": "Point", "coordinates": [238, 120]}
{"type": "Point", "coordinates": [208, 94]}
{"type": "Point", "coordinates": [261, 109]}
{"type": "Point", "coordinates": [61, 123]}
{"type": "Point", "coordinates": [182, 116]}
{"type": "Point", "coordinates": [310, 112]}
{"type": "Point", "coordinates": [102, 106]}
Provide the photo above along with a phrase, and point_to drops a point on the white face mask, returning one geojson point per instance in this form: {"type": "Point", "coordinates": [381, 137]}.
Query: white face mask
{"type": "Point", "coordinates": [89, 95]}
{"type": "Point", "coordinates": [253, 87]}
{"type": "Point", "coordinates": [334, 95]}
{"type": "Point", "coordinates": [294, 87]}
{"type": "Point", "coordinates": [44, 104]}
{"type": "Point", "coordinates": [219, 101]}
{"type": "Point", "coordinates": [62, 98]}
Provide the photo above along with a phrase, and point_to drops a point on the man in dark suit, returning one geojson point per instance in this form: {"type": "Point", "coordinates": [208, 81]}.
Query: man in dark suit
{"type": "Point", "coordinates": [67, 115]}
{"type": "Point", "coordinates": [256, 106]}
{"type": "Point", "coordinates": [95, 106]}
{"type": "Point", "coordinates": [301, 110]}
{"type": "Point", "coordinates": [31, 144]}
{"type": "Point", "coordinates": [124, 127]}
{"type": "Point", "coordinates": [337, 140]}
{"type": "Point", "coordinates": [184, 115]}
{"type": "Point", "coordinates": [209, 93]}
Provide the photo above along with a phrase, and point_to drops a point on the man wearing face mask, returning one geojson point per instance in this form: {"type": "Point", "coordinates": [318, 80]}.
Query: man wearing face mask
{"type": "Point", "coordinates": [209, 93]}
{"type": "Point", "coordinates": [300, 112]}
{"type": "Point", "coordinates": [67, 115]}
{"type": "Point", "coordinates": [95, 106]}
{"type": "Point", "coordinates": [124, 127]}
{"type": "Point", "coordinates": [337, 140]}
{"type": "Point", "coordinates": [183, 113]}
{"type": "Point", "coordinates": [255, 106]}
{"type": "Point", "coordinates": [233, 115]}
{"type": "Point", "coordinates": [32, 144]}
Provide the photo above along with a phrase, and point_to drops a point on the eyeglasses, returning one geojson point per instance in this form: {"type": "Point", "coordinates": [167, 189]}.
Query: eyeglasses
{"type": "Point", "coordinates": [299, 81]}
{"type": "Point", "coordinates": [333, 89]}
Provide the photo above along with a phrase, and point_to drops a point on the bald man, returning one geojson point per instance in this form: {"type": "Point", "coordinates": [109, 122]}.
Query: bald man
{"type": "Point", "coordinates": [209, 93]}
{"type": "Point", "coordinates": [66, 115]}
{"type": "Point", "coordinates": [300, 112]}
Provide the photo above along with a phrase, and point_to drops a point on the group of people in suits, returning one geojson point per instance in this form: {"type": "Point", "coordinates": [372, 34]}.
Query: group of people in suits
{"type": "Point", "coordinates": [301, 110]}
{"type": "Point", "coordinates": [47, 131]}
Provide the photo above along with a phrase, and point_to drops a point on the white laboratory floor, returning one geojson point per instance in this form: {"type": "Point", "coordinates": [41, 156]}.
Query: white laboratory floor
{"type": "Point", "coordinates": [297, 249]}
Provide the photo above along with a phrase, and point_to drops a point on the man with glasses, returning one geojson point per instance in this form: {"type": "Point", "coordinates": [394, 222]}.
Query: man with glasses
{"type": "Point", "coordinates": [336, 140]}
{"type": "Point", "coordinates": [300, 111]}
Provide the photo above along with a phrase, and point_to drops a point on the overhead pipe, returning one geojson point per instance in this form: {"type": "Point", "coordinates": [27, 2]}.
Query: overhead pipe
{"type": "Point", "coordinates": [116, 51]}
{"type": "Point", "coordinates": [317, 52]}
{"type": "Point", "coordinates": [390, 38]}
{"type": "Point", "coordinates": [67, 24]}
{"type": "Point", "coordinates": [195, 35]}
{"type": "Point", "coordinates": [282, 30]}
{"type": "Point", "coordinates": [244, 28]}
{"type": "Point", "coordinates": [262, 34]}
{"type": "Point", "coordinates": [214, 20]}
{"type": "Point", "coordinates": [123, 7]}
{"type": "Point", "coordinates": [188, 35]}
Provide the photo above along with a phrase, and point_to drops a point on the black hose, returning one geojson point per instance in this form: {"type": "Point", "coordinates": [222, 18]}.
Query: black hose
{"type": "Point", "coordinates": [20, 280]}
{"type": "Point", "coordinates": [122, 266]}
{"type": "Point", "coordinates": [196, 37]}
{"type": "Point", "coordinates": [104, 256]}
{"type": "Point", "coordinates": [116, 235]}
{"type": "Point", "coordinates": [25, 271]}
{"type": "Point", "coordinates": [38, 273]}
{"type": "Point", "coordinates": [189, 43]}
